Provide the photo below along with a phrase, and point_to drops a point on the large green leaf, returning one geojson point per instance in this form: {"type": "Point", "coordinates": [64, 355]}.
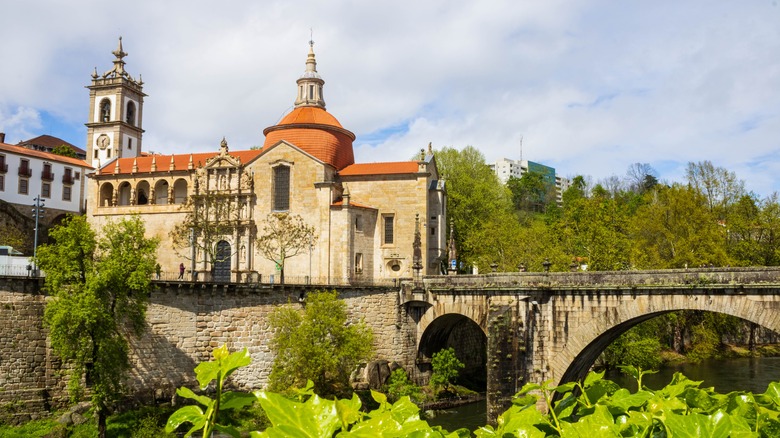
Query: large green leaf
{"type": "Point", "coordinates": [622, 400]}
{"type": "Point", "coordinates": [187, 414]}
{"type": "Point", "coordinates": [187, 393]}
{"type": "Point", "coordinates": [315, 418]}
{"type": "Point", "coordinates": [236, 400]}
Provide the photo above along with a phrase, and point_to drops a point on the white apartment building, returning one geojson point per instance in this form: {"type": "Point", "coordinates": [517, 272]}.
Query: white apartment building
{"type": "Point", "coordinates": [506, 168]}
{"type": "Point", "coordinates": [27, 173]}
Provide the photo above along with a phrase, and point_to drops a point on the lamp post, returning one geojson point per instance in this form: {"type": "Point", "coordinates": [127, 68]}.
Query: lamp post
{"type": "Point", "coordinates": [37, 211]}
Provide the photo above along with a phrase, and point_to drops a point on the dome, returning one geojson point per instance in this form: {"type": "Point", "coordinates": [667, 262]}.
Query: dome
{"type": "Point", "coordinates": [316, 132]}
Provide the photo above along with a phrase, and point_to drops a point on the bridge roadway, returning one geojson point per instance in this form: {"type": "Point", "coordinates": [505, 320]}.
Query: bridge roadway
{"type": "Point", "coordinates": [552, 326]}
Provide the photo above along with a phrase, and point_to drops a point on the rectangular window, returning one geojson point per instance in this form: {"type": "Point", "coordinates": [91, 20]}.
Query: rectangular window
{"type": "Point", "coordinates": [67, 178]}
{"type": "Point", "coordinates": [24, 168]}
{"type": "Point", "coordinates": [358, 223]}
{"type": "Point", "coordinates": [388, 240]}
{"type": "Point", "coordinates": [281, 188]}
{"type": "Point", "coordinates": [2, 183]}
{"type": "Point", "coordinates": [47, 175]}
{"type": "Point", "coordinates": [433, 231]}
{"type": "Point", "coordinates": [46, 190]}
{"type": "Point", "coordinates": [3, 166]}
{"type": "Point", "coordinates": [66, 193]}
{"type": "Point", "coordinates": [129, 143]}
{"type": "Point", "coordinates": [23, 188]}
{"type": "Point", "coordinates": [358, 263]}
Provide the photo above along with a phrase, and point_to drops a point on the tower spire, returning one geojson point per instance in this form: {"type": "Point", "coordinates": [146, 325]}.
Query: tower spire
{"type": "Point", "coordinates": [310, 83]}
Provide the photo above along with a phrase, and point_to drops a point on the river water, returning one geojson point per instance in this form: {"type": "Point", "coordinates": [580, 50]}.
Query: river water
{"type": "Point", "coordinates": [725, 375]}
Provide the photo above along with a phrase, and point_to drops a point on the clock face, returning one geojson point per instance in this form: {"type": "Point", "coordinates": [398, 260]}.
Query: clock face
{"type": "Point", "coordinates": [103, 141]}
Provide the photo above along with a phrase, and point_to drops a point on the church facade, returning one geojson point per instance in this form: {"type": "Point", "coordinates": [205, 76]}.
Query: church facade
{"type": "Point", "coordinates": [371, 221]}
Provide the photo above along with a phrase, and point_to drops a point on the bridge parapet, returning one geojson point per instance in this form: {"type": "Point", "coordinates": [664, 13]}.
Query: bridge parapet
{"type": "Point", "coordinates": [668, 278]}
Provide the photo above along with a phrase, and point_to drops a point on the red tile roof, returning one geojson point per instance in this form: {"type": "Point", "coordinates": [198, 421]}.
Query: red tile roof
{"type": "Point", "coordinates": [51, 142]}
{"type": "Point", "coordinates": [43, 155]}
{"type": "Point", "coordinates": [180, 161]}
{"type": "Point", "coordinates": [392, 168]}
{"type": "Point", "coordinates": [316, 132]}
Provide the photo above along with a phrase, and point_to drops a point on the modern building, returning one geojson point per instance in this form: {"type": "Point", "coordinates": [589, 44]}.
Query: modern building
{"type": "Point", "coordinates": [372, 221]}
{"type": "Point", "coordinates": [506, 168]}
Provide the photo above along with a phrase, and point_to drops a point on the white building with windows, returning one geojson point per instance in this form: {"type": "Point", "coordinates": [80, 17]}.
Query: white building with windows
{"type": "Point", "coordinates": [27, 173]}
{"type": "Point", "coordinates": [506, 168]}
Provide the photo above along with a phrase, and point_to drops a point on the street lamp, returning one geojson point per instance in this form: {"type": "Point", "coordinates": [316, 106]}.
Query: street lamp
{"type": "Point", "coordinates": [37, 212]}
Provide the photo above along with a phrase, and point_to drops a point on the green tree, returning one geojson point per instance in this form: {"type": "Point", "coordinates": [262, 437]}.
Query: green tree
{"type": "Point", "coordinates": [284, 236]}
{"type": "Point", "coordinates": [317, 344]}
{"type": "Point", "coordinates": [100, 287]}
{"type": "Point", "coordinates": [531, 192]}
{"type": "Point", "coordinates": [399, 385]}
{"type": "Point", "coordinates": [64, 150]}
{"type": "Point", "coordinates": [475, 196]}
{"type": "Point", "coordinates": [446, 368]}
{"type": "Point", "coordinates": [675, 229]}
{"type": "Point", "coordinates": [720, 187]}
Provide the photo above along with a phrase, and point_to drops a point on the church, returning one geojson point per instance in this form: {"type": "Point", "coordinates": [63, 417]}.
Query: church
{"type": "Point", "coordinates": [371, 222]}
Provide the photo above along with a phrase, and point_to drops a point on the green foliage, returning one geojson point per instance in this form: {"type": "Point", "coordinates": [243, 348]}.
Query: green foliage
{"type": "Point", "coordinates": [317, 344]}
{"type": "Point", "coordinates": [531, 192]}
{"type": "Point", "coordinates": [399, 385]}
{"type": "Point", "coordinates": [32, 429]}
{"type": "Point", "coordinates": [218, 370]}
{"type": "Point", "coordinates": [64, 150]}
{"type": "Point", "coordinates": [446, 368]}
{"type": "Point", "coordinates": [100, 286]}
{"type": "Point", "coordinates": [634, 348]}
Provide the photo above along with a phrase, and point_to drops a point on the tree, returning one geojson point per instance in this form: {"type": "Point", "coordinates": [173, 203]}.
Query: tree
{"type": "Point", "coordinates": [284, 236]}
{"type": "Point", "coordinates": [211, 218]}
{"type": "Point", "coordinates": [446, 367]}
{"type": "Point", "coordinates": [100, 287]}
{"type": "Point", "coordinates": [64, 150]}
{"type": "Point", "coordinates": [720, 187]}
{"type": "Point", "coordinates": [474, 195]}
{"type": "Point", "coordinates": [317, 344]}
{"type": "Point", "coordinates": [641, 177]}
{"type": "Point", "coordinates": [675, 229]}
{"type": "Point", "coordinates": [531, 192]}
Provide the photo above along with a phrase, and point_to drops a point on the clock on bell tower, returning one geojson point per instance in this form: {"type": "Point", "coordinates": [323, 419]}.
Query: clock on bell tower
{"type": "Point", "coordinates": [115, 113]}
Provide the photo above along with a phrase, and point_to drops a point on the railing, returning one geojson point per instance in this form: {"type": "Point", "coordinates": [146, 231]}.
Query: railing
{"type": "Point", "coordinates": [25, 171]}
{"type": "Point", "coordinates": [19, 271]}
{"type": "Point", "coordinates": [256, 278]}
{"type": "Point", "coordinates": [47, 175]}
{"type": "Point", "coordinates": [3, 168]}
{"type": "Point", "coordinates": [67, 179]}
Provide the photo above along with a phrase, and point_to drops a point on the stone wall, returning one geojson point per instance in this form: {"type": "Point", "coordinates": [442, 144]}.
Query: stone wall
{"type": "Point", "coordinates": [186, 321]}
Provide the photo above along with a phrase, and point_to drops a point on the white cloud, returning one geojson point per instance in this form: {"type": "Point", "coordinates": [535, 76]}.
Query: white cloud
{"type": "Point", "coordinates": [591, 86]}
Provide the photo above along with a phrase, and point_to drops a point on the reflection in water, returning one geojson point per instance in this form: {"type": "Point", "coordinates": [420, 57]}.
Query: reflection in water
{"type": "Point", "coordinates": [470, 416]}
{"type": "Point", "coordinates": [725, 375]}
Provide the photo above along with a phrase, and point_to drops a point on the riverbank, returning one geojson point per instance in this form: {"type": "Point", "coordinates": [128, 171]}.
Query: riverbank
{"type": "Point", "coordinates": [725, 351]}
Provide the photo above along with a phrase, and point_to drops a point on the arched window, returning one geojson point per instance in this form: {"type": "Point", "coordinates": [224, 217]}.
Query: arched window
{"type": "Point", "coordinates": [130, 115]}
{"type": "Point", "coordinates": [106, 195]}
{"type": "Point", "coordinates": [161, 192]}
{"type": "Point", "coordinates": [179, 191]}
{"type": "Point", "coordinates": [281, 188]}
{"type": "Point", "coordinates": [142, 190]}
{"type": "Point", "coordinates": [105, 110]}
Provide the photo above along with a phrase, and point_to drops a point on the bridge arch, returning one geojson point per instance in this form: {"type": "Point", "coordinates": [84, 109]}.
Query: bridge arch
{"type": "Point", "coordinates": [588, 340]}
{"type": "Point", "coordinates": [466, 337]}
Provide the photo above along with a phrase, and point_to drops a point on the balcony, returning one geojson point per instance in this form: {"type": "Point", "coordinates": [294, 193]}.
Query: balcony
{"type": "Point", "coordinates": [25, 171]}
{"type": "Point", "coordinates": [3, 167]}
{"type": "Point", "coordinates": [47, 175]}
{"type": "Point", "coordinates": [67, 179]}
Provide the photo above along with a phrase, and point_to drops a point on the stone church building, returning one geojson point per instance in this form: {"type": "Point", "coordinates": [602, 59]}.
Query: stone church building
{"type": "Point", "coordinates": [366, 216]}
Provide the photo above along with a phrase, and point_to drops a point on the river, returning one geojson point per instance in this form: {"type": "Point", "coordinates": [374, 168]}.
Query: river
{"type": "Point", "coordinates": [725, 375]}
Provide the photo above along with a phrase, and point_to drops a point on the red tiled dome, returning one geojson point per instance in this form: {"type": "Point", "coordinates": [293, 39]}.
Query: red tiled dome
{"type": "Point", "coordinates": [316, 132]}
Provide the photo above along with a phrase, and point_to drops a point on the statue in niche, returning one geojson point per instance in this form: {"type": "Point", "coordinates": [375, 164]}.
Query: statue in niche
{"type": "Point", "coordinates": [243, 253]}
{"type": "Point", "coordinates": [132, 196]}
{"type": "Point", "coordinates": [222, 182]}
{"type": "Point", "coordinates": [152, 198]}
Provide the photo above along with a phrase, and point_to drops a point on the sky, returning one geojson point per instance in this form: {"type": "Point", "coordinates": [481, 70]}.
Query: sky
{"type": "Point", "coordinates": [587, 87]}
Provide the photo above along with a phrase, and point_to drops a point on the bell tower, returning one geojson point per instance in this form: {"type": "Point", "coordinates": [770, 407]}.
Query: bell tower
{"type": "Point", "coordinates": [116, 103]}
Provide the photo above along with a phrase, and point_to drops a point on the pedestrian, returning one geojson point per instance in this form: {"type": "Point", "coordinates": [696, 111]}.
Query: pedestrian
{"type": "Point", "coordinates": [158, 270]}
{"type": "Point", "coordinates": [181, 271]}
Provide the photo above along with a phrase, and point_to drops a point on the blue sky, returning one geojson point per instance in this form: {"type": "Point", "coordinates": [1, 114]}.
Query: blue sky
{"type": "Point", "coordinates": [591, 87]}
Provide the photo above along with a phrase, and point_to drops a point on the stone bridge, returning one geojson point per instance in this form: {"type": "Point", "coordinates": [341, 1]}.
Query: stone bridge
{"type": "Point", "coordinates": [533, 327]}
{"type": "Point", "coordinates": [509, 329]}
